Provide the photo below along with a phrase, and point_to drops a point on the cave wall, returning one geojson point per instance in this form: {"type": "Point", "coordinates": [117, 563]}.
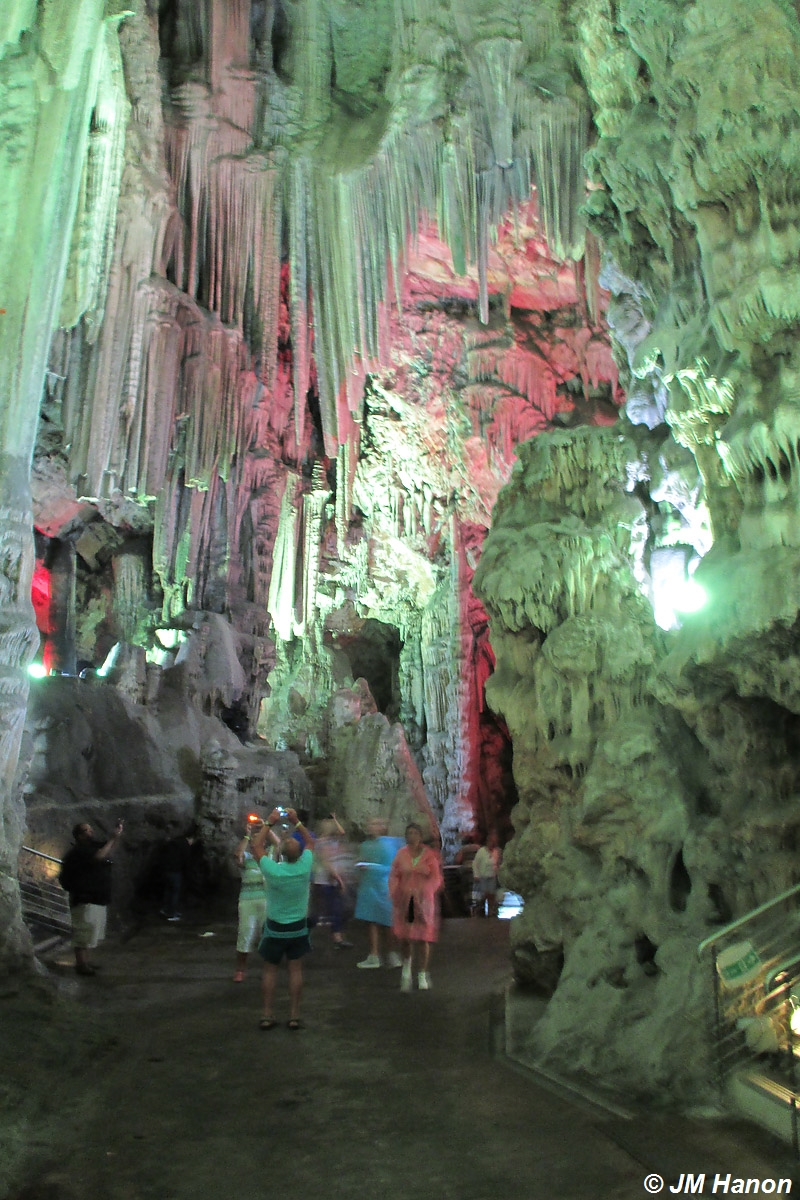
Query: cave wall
{"type": "Point", "coordinates": [650, 823]}
{"type": "Point", "coordinates": [60, 66]}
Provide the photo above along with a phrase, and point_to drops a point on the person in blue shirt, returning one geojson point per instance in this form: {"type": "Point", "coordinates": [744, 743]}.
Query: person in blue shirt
{"type": "Point", "coordinates": [287, 881]}
{"type": "Point", "coordinates": [373, 903]}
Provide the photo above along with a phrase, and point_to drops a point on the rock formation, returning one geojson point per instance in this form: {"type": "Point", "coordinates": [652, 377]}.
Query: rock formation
{"type": "Point", "coordinates": [287, 288]}
{"type": "Point", "coordinates": [656, 771]}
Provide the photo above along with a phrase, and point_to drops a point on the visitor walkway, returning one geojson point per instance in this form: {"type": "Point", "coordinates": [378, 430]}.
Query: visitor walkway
{"type": "Point", "coordinates": [385, 1095]}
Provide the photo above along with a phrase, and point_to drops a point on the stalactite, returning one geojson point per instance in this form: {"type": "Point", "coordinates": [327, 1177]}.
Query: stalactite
{"type": "Point", "coordinates": [345, 472]}
{"type": "Point", "coordinates": [282, 583]}
{"type": "Point", "coordinates": [151, 429]}
{"type": "Point", "coordinates": [497, 62]}
{"type": "Point", "coordinates": [314, 503]}
{"type": "Point", "coordinates": [557, 141]}
{"type": "Point", "coordinates": [300, 316]}
{"type": "Point", "coordinates": [591, 277]}
{"type": "Point", "coordinates": [130, 593]}
{"type": "Point", "coordinates": [364, 218]}
{"type": "Point", "coordinates": [525, 372]}
{"type": "Point", "coordinates": [266, 269]}
{"type": "Point", "coordinates": [93, 231]}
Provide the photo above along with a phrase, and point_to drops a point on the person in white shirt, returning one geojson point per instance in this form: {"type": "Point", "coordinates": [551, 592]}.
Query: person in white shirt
{"type": "Point", "coordinates": [485, 868]}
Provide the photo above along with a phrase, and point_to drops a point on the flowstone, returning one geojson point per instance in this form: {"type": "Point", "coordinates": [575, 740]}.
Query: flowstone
{"type": "Point", "coordinates": [605, 814]}
{"type": "Point", "coordinates": [657, 772]}
{"type": "Point", "coordinates": [371, 769]}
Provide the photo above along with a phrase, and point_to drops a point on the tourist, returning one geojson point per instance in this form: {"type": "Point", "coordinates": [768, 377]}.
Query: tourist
{"type": "Point", "coordinates": [302, 819]}
{"type": "Point", "coordinates": [252, 901]}
{"type": "Point", "coordinates": [176, 860]}
{"type": "Point", "coordinates": [288, 883]}
{"type": "Point", "coordinates": [485, 868]}
{"type": "Point", "coordinates": [373, 903]}
{"type": "Point", "coordinates": [414, 882]}
{"type": "Point", "coordinates": [464, 860]}
{"type": "Point", "coordinates": [86, 875]}
{"type": "Point", "coordinates": [330, 884]}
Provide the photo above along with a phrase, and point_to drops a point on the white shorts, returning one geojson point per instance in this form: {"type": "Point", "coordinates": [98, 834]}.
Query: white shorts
{"type": "Point", "coordinates": [88, 925]}
{"type": "Point", "coordinates": [484, 887]}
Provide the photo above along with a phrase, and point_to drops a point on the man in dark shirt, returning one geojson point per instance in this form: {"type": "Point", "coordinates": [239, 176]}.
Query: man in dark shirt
{"type": "Point", "coordinates": [86, 875]}
{"type": "Point", "coordinates": [176, 859]}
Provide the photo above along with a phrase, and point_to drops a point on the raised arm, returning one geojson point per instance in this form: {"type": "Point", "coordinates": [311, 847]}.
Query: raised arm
{"type": "Point", "coordinates": [293, 819]}
{"type": "Point", "coordinates": [110, 845]}
{"type": "Point", "coordinates": [265, 833]}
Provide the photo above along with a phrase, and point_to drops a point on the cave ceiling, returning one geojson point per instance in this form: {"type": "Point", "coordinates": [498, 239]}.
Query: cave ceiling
{"type": "Point", "coordinates": [327, 271]}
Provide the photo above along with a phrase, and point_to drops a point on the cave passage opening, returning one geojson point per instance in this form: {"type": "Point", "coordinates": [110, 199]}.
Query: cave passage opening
{"type": "Point", "coordinates": [374, 654]}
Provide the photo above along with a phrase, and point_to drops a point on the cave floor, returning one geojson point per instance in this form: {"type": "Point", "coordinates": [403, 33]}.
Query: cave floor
{"type": "Point", "coordinates": [180, 1095]}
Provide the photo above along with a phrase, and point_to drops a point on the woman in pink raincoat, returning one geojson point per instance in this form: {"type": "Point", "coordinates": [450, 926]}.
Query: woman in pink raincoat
{"type": "Point", "coordinates": [414, 882]}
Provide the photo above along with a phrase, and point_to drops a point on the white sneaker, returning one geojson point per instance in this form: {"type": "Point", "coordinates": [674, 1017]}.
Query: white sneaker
{"type": "Point", "coordinates": [424, 981]}
{"type": "Point", "coordinates": [393, 959]}
{"type": "Point", "coordinates": [370, 962]}
{"type": "Point", "coordinates": [405, 978]}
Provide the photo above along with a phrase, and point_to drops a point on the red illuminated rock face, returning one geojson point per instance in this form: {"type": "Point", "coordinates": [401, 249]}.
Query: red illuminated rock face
{"type": "Point", "coordinates": [471, 393]}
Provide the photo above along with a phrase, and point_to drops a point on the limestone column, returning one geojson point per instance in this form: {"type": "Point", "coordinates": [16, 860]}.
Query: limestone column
{"type": "Point", "coordinates": [48, 83]}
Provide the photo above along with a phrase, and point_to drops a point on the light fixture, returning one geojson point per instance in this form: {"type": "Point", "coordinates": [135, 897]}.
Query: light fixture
{"type": "Point", "coordinates": [794, 1019]}
{"type": "Point", "coordinates": [170, 638]}
{"type": "Point", "coordinates": [675, 591]}
{"type": "Point", "coordinates": [510, 906]}
{"type": "Point", "coordinates": [37, 671]}
{"type": "Point", "coordinates": [689, 596]}
{"type": "Point", "coordinates": [110, 659]}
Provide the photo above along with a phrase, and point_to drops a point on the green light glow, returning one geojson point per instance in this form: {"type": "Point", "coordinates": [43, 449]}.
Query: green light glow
{"type": "Point", "coordinates": [158, 656]}
{"type": "Point", "coordinates": [169, 638]}
{"type": "Point", "coordinates": [37, 671]}
{"type": "Point", "coordinates": [675, 592]}
{"type": "Point", "coordinates": [689, 597]}
{"type": "Point", "coordinates": [111, 658]}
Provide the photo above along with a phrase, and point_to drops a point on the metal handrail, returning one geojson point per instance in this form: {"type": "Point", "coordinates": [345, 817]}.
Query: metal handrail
{"type": "Point", "coordinates": [39, 854]}
{"type": "Point", "coordinates": [45, 906]}
{"type": "Point", "coordinates": [756, 912]}
{"type": "Point", "coordinates": [777, 951]}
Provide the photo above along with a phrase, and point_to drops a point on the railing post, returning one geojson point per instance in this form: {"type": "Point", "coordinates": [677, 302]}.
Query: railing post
{"type": "Point", "coordinates": [787, 1016]}
{"type": "Point", "coordinates": [717, 1023]}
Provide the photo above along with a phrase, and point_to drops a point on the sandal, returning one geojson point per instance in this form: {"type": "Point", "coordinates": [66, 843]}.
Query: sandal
{"type": "Point", "coordinates": [295, 1024]}
{"type": "Point", "coordinates": [267, 1023]}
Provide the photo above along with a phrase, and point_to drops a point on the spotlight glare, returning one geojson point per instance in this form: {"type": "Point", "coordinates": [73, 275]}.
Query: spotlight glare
{"type": "Point", "coordinates": [690, 597]}
{"type": "Point", "coordinates": [37, 671]}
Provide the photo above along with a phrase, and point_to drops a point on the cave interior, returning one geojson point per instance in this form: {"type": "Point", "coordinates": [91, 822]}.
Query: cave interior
{"type": "Point", "coordinates": [400, 417]}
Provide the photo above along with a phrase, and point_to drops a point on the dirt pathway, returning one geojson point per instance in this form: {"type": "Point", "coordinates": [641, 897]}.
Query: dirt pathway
{"type": "Point", "coordinates": [381, 1095]}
